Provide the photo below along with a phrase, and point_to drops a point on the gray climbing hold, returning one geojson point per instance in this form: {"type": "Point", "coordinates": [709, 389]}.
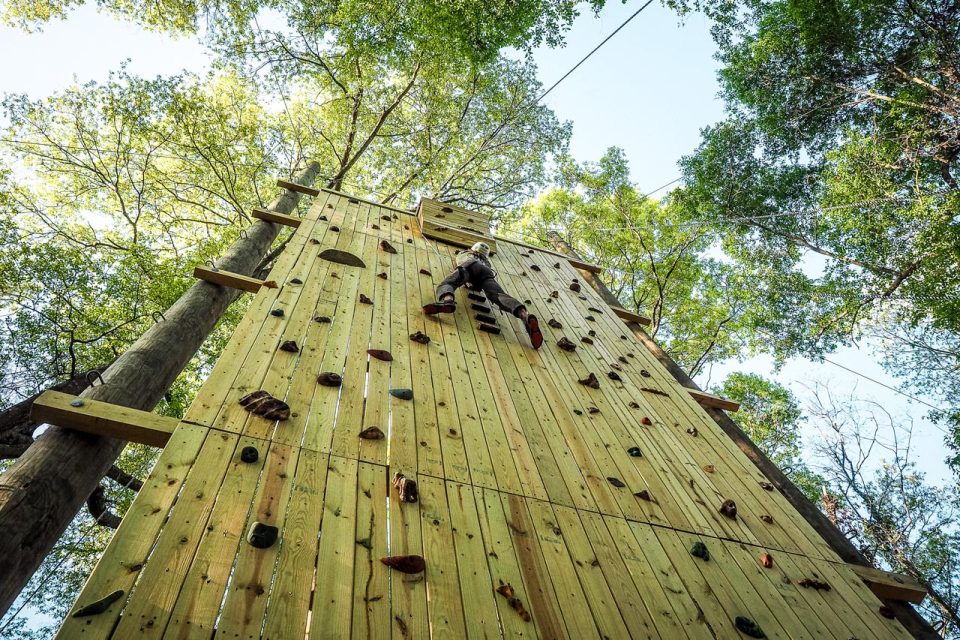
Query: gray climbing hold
{"type": "Point", "coordinates": [402, 394]}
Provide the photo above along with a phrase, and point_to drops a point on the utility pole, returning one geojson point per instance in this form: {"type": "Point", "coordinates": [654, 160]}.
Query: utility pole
{"type": "Point", "coordinates": [42, 492]}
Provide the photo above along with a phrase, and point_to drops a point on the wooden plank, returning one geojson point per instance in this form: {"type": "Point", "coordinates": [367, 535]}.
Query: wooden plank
{"type": "Point", "coordinates": [629, 316]}
{"type": "Point", "coordinates": [273, 216]}
{"type": "Point", "coordinates": [456, 237]}
{"type": "Point", "coordinates": [408, 596]}
{"type": "Point", "coordinates": [230, 279]}
{"type": "Point", "coordinates": [709, 400]}
{"type": "Point", "coordinates": [578, 264]}
{"type": "Point", "coordinates": [299, 188]}
{"type": "Point", "coordinates": [371, 578]}
{"type": "Point", "coordinates": [891, 586]}
{"type": "Point", "coordinates": [358, 198]}
{"type": "Point", "coordinates": [444, 602]}
{"type": "Point", "coordinates": [102, 418]}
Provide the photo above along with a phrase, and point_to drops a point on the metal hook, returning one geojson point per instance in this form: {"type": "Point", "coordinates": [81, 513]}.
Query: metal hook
{"type": "Point", "coordinates": [94, 375]}
{"type": "Point", "coordinates": [243, 233]}
{"type": "Point", "coordinates": [213, 266]}
{"type": "Point", "coordinates": [158, 313]}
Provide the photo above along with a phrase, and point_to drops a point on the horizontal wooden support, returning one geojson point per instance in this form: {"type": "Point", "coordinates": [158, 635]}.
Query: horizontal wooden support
{"type": "Point", "coordinates": [891, 586]}
{"type": "Point", "coordinates": [716, 402]}
{"type": "Point", "coordinates": [371, 202]}
{"type": "Point", "coordinates": [102, 418]}
{"type": "Point", "coordinates": [577, 264]}
{"type": "Point", "coordinates": [630, 316]}
{"type": "Point", "coordinates": [299, 188]}
{"type": "Point", "coordinates": [230, 279]}
{"type": "Point", "coordinates": [585, 266]}
{"type": "Point", "coordinates": [273, 216]}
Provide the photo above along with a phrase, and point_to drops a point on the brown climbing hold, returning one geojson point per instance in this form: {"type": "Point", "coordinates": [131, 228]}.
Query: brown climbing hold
{"type": "Point", "coordinates": [341, 257]}
{"type": "Point", "coordinates": [380, 354]}
{"type": "Point", "coordinates": [575, 286]}
{"type": "Point", "coordinates": [885, 610]}
{"type": "Point", "coordinates": [289, 346]}
{"type": "Point", "coordinates": [617, 482]}
{"type": "Point", "coordinates": [633, 405]}
{"type": "Point", "coordinates": [657, 392]}
{"type": "Point", "coordinates": [586, 340]}
{"type": "Point", "coordinates": [405, 564]}
{"type": "Point", "coordinates": [372, 433]}
{"type": "Point", "coordinates": [263, 404]}
{"type": "Point", "coordinates": [314, 241]}
{"type": "Point", "coordinates": [646, 421]}
{"type": "Point", "coordinates": [382, 275]}
{"type": "Point", "coordinates": [644, 495]}
{"type": "Point", "coordinates": [321, 319]}
{"type": "Point", "coordinates": [406, 487]}
{"type": "Point", "coordinates": [766, 486]}
{"type": "Point", "coordinates": [420, 337]}
{"type": "Point", "coordinates": [566, 345]}
{"type": "Point", "coordinates": [709, 468]}
{"type": "Point", "coordinates": [623, 359]}
{"type": "Point", "coordinates": [590, 381]}
{"type": "Point", "coordinates": [644, 373]}
{"type": "Point", "coordinates": [296, 281]}
{"type": "Point", "coordinates": [99, 606]}
{"type": "Point", "coordinates": [554, 294]}
{"type": "Point", "coordinates": [613, 375]}
{"type": "Point", "coordinates": [489, 328]}
{"type": "Point", "coordinates": [693, 431]}
{"type": "Point", "coordinates": [375, 227]}
{"type": "Point", "coordinates": [387, 247]}
{"type": "Point", "coordinates": [813, 583]}
{"type": "Point", "coordinates": [554, 323]}
{"type": "Point", "coordinates": [506, 590]}
{"type": "Point", "coordinates": [729, 509]}
{"type": "Point", "coordinates": [334, 228]}
{"type": "Point", "coordinates": [330, 379]}
{"type": "Point", "coordinates": [592, 410]}
{"type": "Point", "coordinates": [766, 560]}
{"type": "Point", "coordinates": [594, 309]}
{"type": "Point", "coordinates": [767, 518]}
{"type": "Point", "coordinates": [425, 272]}
{"type": "Point", "coordinates": [556, 265]}
{"type": "Point", "coordinates": [365, 300]}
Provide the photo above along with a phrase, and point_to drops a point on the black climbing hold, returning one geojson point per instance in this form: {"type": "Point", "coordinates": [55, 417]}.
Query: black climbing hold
{"type": "Point", "coordinates": [481, 308]}
{"type": "Point", "coordinates": [699, 550]}
{"type": "Point", "coordinates": [729, 509]}
{"type": "Point", "coordinates": [575, 286]}
{"type": "Point", "coordinates": [586, 340]}
{"type": "Point", "coordinates": [387, 218]}
{"type": "Point", "coordinates": [592, 333]}
{"type": "Point", "coordinates": [382, 275]}
{"type": "Point", "coordinates": [634, 452]}
{"type": "Point", "coordinates": [476, 296]}
{"type": "Point", "coordinates": [766, 518]}
{"type": "Point", "coordinates": [296, 281]}
{"type": "Point", "coordinates": [623, 359]}
{"type": "Point", "coordinates": [590, 318]}
{"type": "Point", "coordinates": [99, 606]}
{"type": "Point", "coordinates": [334, 228]}
{"type": "Point", "coordinates": [409, 240]}
{"type": "Point", "coordinates": [748, 627]}
{"type": "Point", "coordinates": [578, 412]}
{"type": "Point", "coordinates": [425, 272]}
{"type": "Point", "coordinates": [615, 366]}
{"type": "Point", "coordinates": [644, 373]}
{"type": "Point", "coordinates": [617, 482]}
{"type": "Point", "coordinates": [249, 454]}
{"type": "Point", "coordinates": [486, 319]}
{"type": "Point", "coordinates": [277, 313]}
{"type": "Point", "coordinates": [365, 300]}
{"type": "Point", "coordinates": [813, 583]}
{"type": "Point", "coordinates": [420, 337]}
{"type": "Point", "coordinates": [613, 375]}
{"type": "Point", "coordinates": [386, 247]}
{"type": "Point", "coordinates": [554, 294]}
{"type": "Point", "coordinates": [534, 267]}
{"type": "Point", "coordinates": [314, 241]}
{"type": "Point", "coordinates": [328, 379]}
{"type": "Point", "coordinates": [489, 328]}
{"type": "Point", "coordinates": [263, 404]}
{"type": "Point", "coordinates": [766, 486]}
{"type": "Point", "coordinates": [594, 309]}
{"type": "Point", "coordinates": [323, 218]}
{"type": "Point", "coordinates": [657, 392]}
{"type": "Point", "coordinates": [643, 494]}
{"type": "Point", "coordinates": [289, 346]}
{"type": "Point", "coordinates": [402, 394]}
{"type": "Point", "coordinates": [375, 227]}
{"type": "Point", "coordinates": [321, 319]}
{"type": "Point", "coordinates": [693, 431]}
{"type": "Point", "coordinates": [262, 536]}
{"type": "Point", "coordinates": [592, 410]}
{"type": "Point", "coordinates": [406, 487]}
{"type": "Point", "coordinates": [566, 345]}
{"type": "Point", "coordinates": [556, 265]}
{"type": "Point", "coordinates": [554, 323]}
{"type": "Point", "coordinates": [353, 201]}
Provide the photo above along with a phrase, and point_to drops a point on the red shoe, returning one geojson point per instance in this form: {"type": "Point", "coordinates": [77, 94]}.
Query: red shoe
{"type": "Point", "coordinates": [433, 308]}
{"type": "Point", "coordinates": [533, 330]}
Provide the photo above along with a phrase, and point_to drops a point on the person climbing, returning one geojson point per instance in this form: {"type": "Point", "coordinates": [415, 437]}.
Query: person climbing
{"type": "Point", "coordinates": [474, 270]}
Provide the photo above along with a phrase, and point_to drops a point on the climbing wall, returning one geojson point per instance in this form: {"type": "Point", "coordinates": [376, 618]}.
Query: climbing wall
{"type": "Point", "coordinates": [585, 501]}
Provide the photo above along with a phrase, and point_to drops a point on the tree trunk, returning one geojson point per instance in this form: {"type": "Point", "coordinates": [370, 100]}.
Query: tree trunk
{"type": "Point", "coordinates": [48, 484]}
{"type": "Point", "coordinates": [912, 621]}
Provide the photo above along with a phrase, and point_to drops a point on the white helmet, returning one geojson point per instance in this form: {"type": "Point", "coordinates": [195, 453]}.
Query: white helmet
{"type": "Point", "coordinates": [481, 248]}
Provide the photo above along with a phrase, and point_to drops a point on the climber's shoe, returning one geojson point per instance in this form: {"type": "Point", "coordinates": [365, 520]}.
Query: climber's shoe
{"type": "Point", "coordinates": [533, 330]}
{"type": "Point", "coordinates": [444, 306]}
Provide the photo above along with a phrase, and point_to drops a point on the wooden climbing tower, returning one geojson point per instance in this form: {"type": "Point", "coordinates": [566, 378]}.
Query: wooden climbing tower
{"type": "Point", "coordinates": [585, 499]}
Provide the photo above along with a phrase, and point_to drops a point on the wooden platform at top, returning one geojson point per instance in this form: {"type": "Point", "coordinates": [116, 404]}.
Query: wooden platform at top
{"type": "Point", "coordinates": [518, 464]}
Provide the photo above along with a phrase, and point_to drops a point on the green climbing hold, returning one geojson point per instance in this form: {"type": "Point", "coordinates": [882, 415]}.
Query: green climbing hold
{"type": "Point", "coordinates": [699, 550]}
{"type": "Point", "coordinates": [748, 627]}
{"type": "Point", "coordinates": [402, 394]}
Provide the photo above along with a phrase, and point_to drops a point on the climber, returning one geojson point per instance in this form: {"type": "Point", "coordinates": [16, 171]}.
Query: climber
{"type": "Point", "coordinates": [474, 271]}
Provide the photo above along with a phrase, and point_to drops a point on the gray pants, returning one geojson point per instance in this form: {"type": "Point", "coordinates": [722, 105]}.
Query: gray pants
{"type": "Point", "coordinates": [480, 277]}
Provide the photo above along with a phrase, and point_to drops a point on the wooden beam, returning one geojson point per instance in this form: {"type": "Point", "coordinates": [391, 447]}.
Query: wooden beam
{"type": "Point", "coordinates": [230, 279]}
{"type": "Point", "coordinates": [272, 216]}
{"type": "Point", "coordinates": [586, 266]}
{"type": "Point", "coordinates": [891, 586]}
{"type": "Point", "coordinates": [372, 202]}
{"type": "Point", "coordinates": [102, 418]}
{"type": "Point", "coordinates": [716, 402]}
{"type": "Point", "coordinates": [630, 316]}
{"type": "Point", "coordinates": [299, 188]}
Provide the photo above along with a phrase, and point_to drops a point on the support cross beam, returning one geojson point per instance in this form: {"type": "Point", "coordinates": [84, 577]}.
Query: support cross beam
{"type": "Point", "coordinates": [102, 418]}
{"type": "Point", "coordinates": [891, 586]}
{"type": "Point", "coordinates": [230, 279]}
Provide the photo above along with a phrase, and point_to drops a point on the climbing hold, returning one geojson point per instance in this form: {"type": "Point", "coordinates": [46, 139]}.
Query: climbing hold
{"type": "Point", "coordinates": [263, 404]}
{"type": "Point", "coordinates": [885, 610]}
{"type": "Point", "coordinates": [729, 509]}
{"type": "Point", "coordinates": [578, 412]}
{"type": "Point", "coordinates": [386, 247]}
{"type": "Point", "coordinates": [613, 375]}
{"type": "Point", "coordinates": [813, 583]}
{"type": "Point", "coordinates": [554, 323]}
{"type": "Point", "coordinates": [767, 518]}
{"type": "Point", "coordinates": [476, 296]}
{"type": "Point", "coordinates": [749, 627]}
{"type": "Point", "coordinates": [566, 345]}
{"type": "Point", "coordinates": [623, 359]}
{"type": "Point", "coordinates": [405, 564]}
{"type": "Point", "coordinates": [534, 267]}
{"type": "Point", "coordinates": [506, 590]}
{"type": "Point", "coordinates": [556, 265]}
{"type": "Point", "coordinates": [644, 373]}
{"type": "Point", "coordinates": [406, 488]}
{"type": "Point", "coordinates": [766, 560]}
{"type": "Point", "coordinates": [323, 218]}
{"type": "Point", "coordinates": [481, 308]}
{"type": "Point", "coordinates": [99, 606]}
{"type": "Point", "coordinates": [633, 405]}
{"type": "Point", "coordinates": [425, 272]}
{"type": "Point", "coordinates": [592, 333]}
{"type": "Point", "coordinates": [409, 240]}
{"type": "Point", "coordinates": [365, 300]}
{"type": "Point", "coordinates": [527, 301]}
{"type": "Point", "coordinates": [382, 275]}
{"type": "Point", "coordinates": [314, 241]}
{"type": "Point", "coordinates": [590, 381]}
{"type": "Point", "coordinates": [657, 392]}
{"type": "Point", "coordinates": [334, 228]}
{"type": "Point", "coordinates": [693, 431]}
{"type": "Point", "coordinates": [330, 379]}
{"type": "Point", "coordinates": [387, 218]}
{"type": "Point", "coordinates": [646, 421]}
{"type": "Point", "coordinates": [575, 286]}
{"type": "Point", "coordinates": [644, 495]}
{"type": "Point", "coordinates": [554, 294]}
{"type": "Point", "coordinates": [262, 536]}
{"type": "Point", "coordinates": [699, 550]}
{"type": "Point", "coordinates": [353, 201]}
{"type": "Point", "coordinates": [321, 319]}
{"type": "Point", "coordinates": [590, 318]}
{"type": "Point", "coordinates": [277, 313]}
{"type": "Point", "coordinates": [709, 468]}
{"type": "Point", "coordinates": [289, 346]}
{"type": "Point", "coordinates": [592, 410]}
{"type": "Point", "coordinates": [486, 319]}
{"type": "Point", "coordinates": [76, 403]}
{"type": "Point", "coordinates": [766, 486]}
{"type": "Point", "coordinates": [402, 394]}
{"type": "Point", "coordinates": [617, 482]}
{"type": "Point", "coordinates": [375, 227]}
{"type": "Point", "coordinates": [489, 328]}
{"type": "Point", "coordinates": [341, 257]}
{"type": "Point", "coordinates": [249, 454]}
{"type": "Point", "coordinates": [629, 355]}
{"type": "Point", "coordinates": [615, 366]}
{"type": "Point", "coordinates": [371, 433]}
{"type": "Point", "coordinates": [634, 452]}
{"type": "Point", "coordinates": [296, 281]}
{"type": "Point", "coordinates": [380, 354]}
{"type": "Point", "coordinates": [420, 337]}
{"type": "Point", "coordinates": [594, 309]}
{"type": "Point", "coordinates": [586, 340]}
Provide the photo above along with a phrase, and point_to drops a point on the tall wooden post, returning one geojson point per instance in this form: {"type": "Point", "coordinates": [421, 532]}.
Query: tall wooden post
{"type": "Point", "coordinates": [905, 613]}
{"type": "Point", "coordinates": [48, 484]}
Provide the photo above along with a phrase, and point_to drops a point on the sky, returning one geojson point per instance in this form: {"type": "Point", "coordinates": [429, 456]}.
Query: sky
{"type": "Point", "coordinates": [650, 90]}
